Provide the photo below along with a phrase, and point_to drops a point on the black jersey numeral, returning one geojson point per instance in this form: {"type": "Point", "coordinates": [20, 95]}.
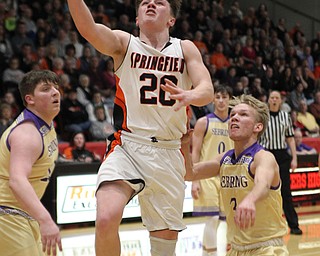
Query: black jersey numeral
{"type": "Point", "coordinates": [234, 200]}
{"type": "Point", "coordinates": [154, 84]}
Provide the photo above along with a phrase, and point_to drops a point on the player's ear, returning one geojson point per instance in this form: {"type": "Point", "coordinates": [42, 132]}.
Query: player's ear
{"type": "Point", "coordinates": [171, 22]}
{"type": "Point", "coordinates": [29, 99]}
{"type": "Point", "coordinates": [258, 127]}
{"type": "Point", "coordinates": [137, 22]}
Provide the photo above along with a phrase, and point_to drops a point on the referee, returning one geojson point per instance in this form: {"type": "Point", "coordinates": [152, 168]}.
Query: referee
{"type": "Point", "coordinates": [277, 137]}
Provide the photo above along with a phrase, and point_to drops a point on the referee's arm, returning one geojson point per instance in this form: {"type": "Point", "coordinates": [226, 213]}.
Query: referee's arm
{"type": "Point", "coordinates": [292, 145]}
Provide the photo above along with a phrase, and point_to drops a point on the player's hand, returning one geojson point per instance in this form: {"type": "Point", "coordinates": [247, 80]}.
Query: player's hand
{"type": "Point", "coordinates": [176, 93]}
{"type": "Point", "coordinates": [50, 238]}
{"type": "Point", "coordinates": [245, 214]}
{"type": "Point", "coordinates": [195, 189]}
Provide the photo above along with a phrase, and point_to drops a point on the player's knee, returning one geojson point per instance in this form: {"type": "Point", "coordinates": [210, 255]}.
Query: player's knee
{"type": "Point", "coordinates": [162, 247]}
{"type": "Point", "coordinates": [104, 223]}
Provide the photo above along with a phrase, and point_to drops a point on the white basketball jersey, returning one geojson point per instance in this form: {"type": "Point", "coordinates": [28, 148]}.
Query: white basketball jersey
{"type": "Point", "coordinates": [141, 106]}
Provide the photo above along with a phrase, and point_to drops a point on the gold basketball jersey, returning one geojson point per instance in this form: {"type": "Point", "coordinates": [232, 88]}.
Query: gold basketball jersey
{"type": "Point", "coordinates": [236, 183]}
{"type": "Point", "coordinates": [42, 168]}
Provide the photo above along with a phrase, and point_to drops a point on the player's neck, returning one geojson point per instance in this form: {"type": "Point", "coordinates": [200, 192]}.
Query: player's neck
{"type": "Point", "coordinates": [240, 146]}
{"type": "Point", "coordinates": [156, 40]}
{"type": "Point", "coordinates": [46, 118]}
{"type": "Point", "coordinates": [221, 115]}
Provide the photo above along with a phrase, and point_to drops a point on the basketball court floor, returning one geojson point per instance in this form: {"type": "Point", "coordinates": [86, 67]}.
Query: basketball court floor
{"type": "Point", "coordinates": [79, 241]}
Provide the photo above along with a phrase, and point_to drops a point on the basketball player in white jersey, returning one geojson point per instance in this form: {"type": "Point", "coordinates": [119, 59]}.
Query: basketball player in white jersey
{"type": "Point", "coordinates": [28, 151]}
{"type": "Point", "coordinates": [157, 77]}
{"type": "Point", "coordinates": [210, 138]}
{"type": "Point", "coordinates": [250, 184]}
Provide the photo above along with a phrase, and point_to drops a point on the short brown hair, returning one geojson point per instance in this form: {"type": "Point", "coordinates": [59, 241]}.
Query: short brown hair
{"type": "Point", "coordinates": [31, 79]}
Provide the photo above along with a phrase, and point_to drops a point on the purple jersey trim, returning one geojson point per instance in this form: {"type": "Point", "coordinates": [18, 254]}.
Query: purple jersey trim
{"type": "Point", "coordinates": [28, 116]}
{"type": "Point", "coordinates": [250, 151]}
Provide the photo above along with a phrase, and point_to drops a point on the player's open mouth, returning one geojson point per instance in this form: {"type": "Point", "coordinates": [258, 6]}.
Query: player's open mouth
{"type": "Point", "coordinates": [234, 126]}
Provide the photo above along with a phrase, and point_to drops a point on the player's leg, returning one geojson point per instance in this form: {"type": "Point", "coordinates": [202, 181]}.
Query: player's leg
{"type": "Point", "coordinates": [222, 238]}
{"type": "Point", "coordinates": [209, 241]}
{"type": "Point", "coordinates": [163, 242]}
{"type": "Point", "coordinates": [112, 197]}
{"type": "Point", "coordinates": [161, 203]}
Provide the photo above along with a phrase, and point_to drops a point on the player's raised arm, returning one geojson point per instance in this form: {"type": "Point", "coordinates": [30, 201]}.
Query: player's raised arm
{"type": "Point", "coordinates": [105, 40]}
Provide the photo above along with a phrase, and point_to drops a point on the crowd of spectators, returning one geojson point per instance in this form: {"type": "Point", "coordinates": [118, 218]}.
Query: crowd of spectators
{"type": "Point", "coordinates": [244, 49]}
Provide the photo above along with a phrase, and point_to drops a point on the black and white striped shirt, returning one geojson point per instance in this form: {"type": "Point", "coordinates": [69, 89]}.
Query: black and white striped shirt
{"type": "Point", "coordinates": [279, 128]}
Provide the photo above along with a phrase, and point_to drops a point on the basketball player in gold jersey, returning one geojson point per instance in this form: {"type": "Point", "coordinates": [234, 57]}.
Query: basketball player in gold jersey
{"type": "Point", "coordinates": [250, 184]}
{"type": "Point", "coordinates": [28, 151]}
{"type": "Point", "coordinates": [210, 138]}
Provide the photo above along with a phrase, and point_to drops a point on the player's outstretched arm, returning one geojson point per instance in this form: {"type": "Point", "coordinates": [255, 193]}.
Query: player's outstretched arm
{"type": "Point", "coordinates": [266, 174]}
{"type": "Point", "coordinates": [107, 41]}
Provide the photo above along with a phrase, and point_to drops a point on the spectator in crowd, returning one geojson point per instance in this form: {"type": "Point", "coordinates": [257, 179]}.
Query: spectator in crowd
{"type": "Point", "coordinates": [21, 37]}
{"type": "Point", "coordinates": [58, 65]}
{"type": "Point", "coordinates": [297, 125]}
{"type": "Point", "coordinates": [65, 85]}
{"type": "Point", "coordinates": [12, 75]}
{"type": "Point", "coordinates": [73, 72]}
{"type": "Point", "coordinates": [100, 15]}
{"type": "Point", "coordinates": [74, 40]}
{"type": "Point", "coordinates": [220, 61]}
{"type": "Point", "coordinates": [27, 57]}
{"type": "Point", "coordinates": [27, 16]}
{"type": "Point", "coordinates": [75, 116]}
{"type": "Point", "coordinates": [70, 54]}
{"type": "Point", "coordinates": [61, 41]}
{"type": "Point", "coordinates": [296, 96]}
{"type": "Point", "coordinates": [285, 106]}
{"type": "Point", "coordinates": [42, 58]}
{"type": "Point", "coordinates": [84, 90]}
{"type": "Point", "coordinates": [256, 88]}
{"type": "Point", "coordinates": [10, 98]}
{"type": "Point", "coordinates": [314, 107]}
{"type": "Point", "coordinates": [249, 53]}
{"type": "Point", "coordinates": [77, 150]}
{"type": "Point", "coordinates": [285, 80]}
{"type": "Point", "coordinates": [51, 54]}
{"type": "Point", "coordinates": [5, 44]}
{"type": "Point", "coordinates": [41, 38]}
{"type": "Point", "coordinates": [6, 117]}
{"type": "Point", "coordinates": [307, 119]}
{"type": "Point", "coordinates": [297, 77]}
{"type": "Point", "coordinates": [109, 80]}
{"type": "Point", "coordinates": [302, 148]}
{"type": "Point", "coordinates": [198, 41]}
{"type": "Point", "coordinates": [98, 100]}
{"type": "Point", "coordinates": [259, 68]}
{"type": "Point", "coordinates": [101, 128]}
{"type": "Point", "coordinates": [85, 59]}
{"type": "Point", "coordinates": [95, 74]}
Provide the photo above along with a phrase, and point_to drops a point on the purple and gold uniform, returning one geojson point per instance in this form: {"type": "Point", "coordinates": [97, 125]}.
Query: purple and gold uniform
{"type": "Point", "coordinates": [236, 182]}
{"type": "Point", "coordinates": [216, 141]}
{"type": "Point", "coordinates": [11, 212]}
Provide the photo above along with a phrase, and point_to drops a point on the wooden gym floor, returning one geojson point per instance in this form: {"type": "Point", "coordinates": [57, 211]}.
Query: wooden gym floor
{"type": "Point", "coordinates": [79, 241]}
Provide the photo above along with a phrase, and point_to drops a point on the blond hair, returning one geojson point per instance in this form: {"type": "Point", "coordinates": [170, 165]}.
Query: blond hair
{"type": "Point", "coordinates": [260, 107]}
